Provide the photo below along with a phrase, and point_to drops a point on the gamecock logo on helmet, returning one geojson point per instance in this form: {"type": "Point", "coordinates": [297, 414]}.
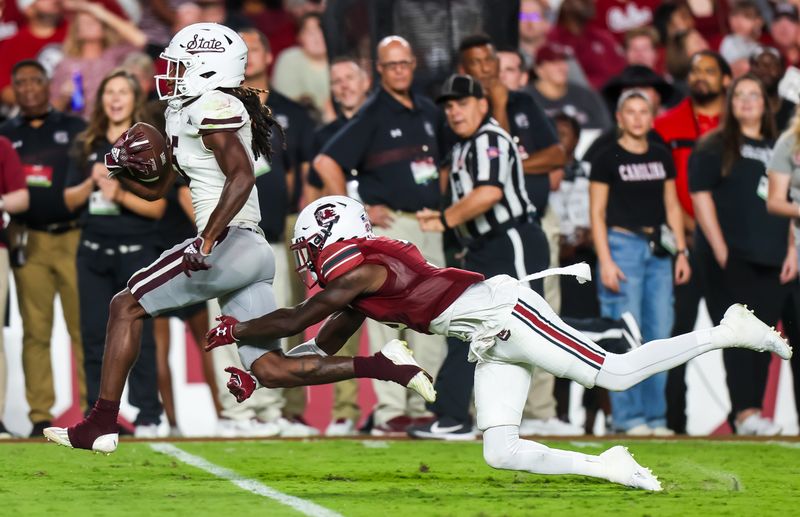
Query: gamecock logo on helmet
{"type": "Point", "coordinates": [326, 214]}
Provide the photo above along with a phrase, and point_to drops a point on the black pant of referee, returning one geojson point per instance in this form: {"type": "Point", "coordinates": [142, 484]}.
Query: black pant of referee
{"type": "Point", "coordinates": [516, 251]}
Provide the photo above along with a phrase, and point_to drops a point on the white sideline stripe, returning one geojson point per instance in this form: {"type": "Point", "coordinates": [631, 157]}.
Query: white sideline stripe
{"type": "Point", "coordinates": [251, 485]}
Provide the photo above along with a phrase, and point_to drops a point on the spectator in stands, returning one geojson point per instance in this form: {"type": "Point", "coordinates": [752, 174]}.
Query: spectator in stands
{"type": "Point", "coordinates": [785, 31]}
{"type": "Point", "coordinates": [632, 196]}
{"type": "Point", "coordinates": [534, 25]}
{"type": "Point", "coordinates": [620, 17]}
{"type": "Point", "coordinates": [13, 200]}
{"type": "Point", "coordinates": [158, 19]}
{"type": "Point", "coordinates": [350, 85]}
{"type": "Point", "coordinates": [679, 51]}
{"type": "Point", "coordinates": [553, 91]}
{"type": "Point", "coordinates": [392, 142]}
{"type": "Point", "coordinates": [680, 128]}
{"type": "Point", "coordinates": [513, 73]}
{"type": "Point", "coordinates": [301, 72]}
{"type": "Point", "coordinates": [43, 239]}
{"type": "Point", "coordinates": [749, 255]}
{"type": "Point", "coordinates": [596, 50]}
{"type": "Point", "coordinates": [671, 18]}
{"type": "Point", "coordinates": [97, 41]}
{"type": "Point", "coordinates": [118, 239]}
{"type": "Point", "coordinates": [746, 26]}
{"type": "Point", "coordinates": [40, 38]}
{"type": "Point", "coordinates": [641, 47]}
{"type": "Point", "coordinates": [784, 201]}
{"type": "Point", "coordinates": [767, 64]}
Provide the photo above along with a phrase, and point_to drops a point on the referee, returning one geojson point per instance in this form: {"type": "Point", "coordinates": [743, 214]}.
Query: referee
{"type": "Point", "coordinates": [493, 218]}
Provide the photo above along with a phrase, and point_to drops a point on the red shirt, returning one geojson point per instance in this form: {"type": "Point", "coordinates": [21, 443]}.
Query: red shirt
{"type": "Point", "coordinates": [620, 16]}
{"type": "Point", "coordinates": [415, 292]}
{"type": "Point", "coordinates": [598, 53]}
{"type": "Point", "coordinates": [24, 45]}
{"type": "Point", "coordinates": [11, 175]}
{"type": "Point", "coordinates": [680, 128]}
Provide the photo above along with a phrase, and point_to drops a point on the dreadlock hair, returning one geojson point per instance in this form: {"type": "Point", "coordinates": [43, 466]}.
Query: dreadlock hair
{"type": "Point", "coordinates": [261, 119]}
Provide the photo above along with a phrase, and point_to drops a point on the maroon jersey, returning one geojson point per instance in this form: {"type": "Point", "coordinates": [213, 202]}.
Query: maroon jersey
{"type": "Point", "coordinates": [415, 292]}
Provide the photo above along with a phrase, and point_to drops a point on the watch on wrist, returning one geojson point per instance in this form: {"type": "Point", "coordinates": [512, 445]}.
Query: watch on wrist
{"type": "Point", "coordinates": [684, 252]}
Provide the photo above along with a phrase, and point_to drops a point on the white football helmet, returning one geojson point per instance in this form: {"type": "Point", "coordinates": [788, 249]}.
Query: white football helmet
{"type": "Point", "coordinates": [201, 58]}
{"type": "Point", "coordinates": [327, 220]}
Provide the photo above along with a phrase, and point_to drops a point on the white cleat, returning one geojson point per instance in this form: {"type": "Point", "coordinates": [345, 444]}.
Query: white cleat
{"type": "Point", "coordinates": [106, 443]}
{"type": "Point", "coordinates": [622, 468]}
{"type": "Point", "coordinates": [750, 332]}
{"type": "Point", "coordinates": [398, 353]}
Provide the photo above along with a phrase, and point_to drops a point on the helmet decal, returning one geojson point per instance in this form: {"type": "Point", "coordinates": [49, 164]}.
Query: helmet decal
{"type": "Point", "coordinates": [198, 45]}
{"type": "Point", "coordinates": [326, 214]}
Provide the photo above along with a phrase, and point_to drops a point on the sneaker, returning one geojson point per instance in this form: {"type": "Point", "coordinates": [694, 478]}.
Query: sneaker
{"type": "Point", "coordinates": [341, 427]}
{"type": "Point", "coordinates": [246, 428]}
{"type": "Point", "coordinates": [750, 332]}
{"type": "Point", "coordinates": [548, 427]}
{"type": "Point", "coordinates": [4, 434]}
{"type": "Point", "coordinates": [395, 427]}
{"type": "Point", "coordinates": [662, 431]}
{"type": "Point", "coordinates": [444, 429]}
{"type": "Point", "coordinates": [757, 425]}
{"type": "Point", "coordinates": [175, 432]}
{"type": "Point", "coordinates": [146, 431]}
{"type": "Point", "coordinates": [106, 443]}
{"type": "Point", "coordinates": [640, 430]}
{"type": "Point", "coordinates": [622, 468]}
{"type": "Point", "coordinates": [296, 427]}
{"type": "Point", "coordinates": [398, 352]}
{"type": "Point", "coordinates": [39, 427]}
{"type": "Point", "coordinates": [630, 330]}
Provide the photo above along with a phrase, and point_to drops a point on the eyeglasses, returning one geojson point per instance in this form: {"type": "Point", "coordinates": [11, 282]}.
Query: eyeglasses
{"type": "Point", "coordinates": [397, 65]}
{"type": "Point", "coordinates": [530, 17]}
{"type": "Point", "coordinates": [749, 96]}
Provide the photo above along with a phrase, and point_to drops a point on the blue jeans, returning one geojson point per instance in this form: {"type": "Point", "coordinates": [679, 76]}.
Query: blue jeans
{"type": "Point", "coordinates": [647, 294]}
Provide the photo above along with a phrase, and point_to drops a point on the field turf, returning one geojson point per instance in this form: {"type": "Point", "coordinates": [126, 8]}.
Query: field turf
{"type": "Point", "coordinates": [392, 478]}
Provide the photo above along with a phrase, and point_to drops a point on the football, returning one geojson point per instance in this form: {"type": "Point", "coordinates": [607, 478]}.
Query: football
{"type": "Point", "coordinates": [154, 157]}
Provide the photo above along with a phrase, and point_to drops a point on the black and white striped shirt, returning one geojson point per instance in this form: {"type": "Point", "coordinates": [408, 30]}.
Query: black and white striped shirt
{"type": "Point", "coordinates": [490, 157]}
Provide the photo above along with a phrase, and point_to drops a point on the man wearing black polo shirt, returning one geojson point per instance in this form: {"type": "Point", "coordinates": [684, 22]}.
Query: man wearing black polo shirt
{"type": "Point", "coordinates": [44, 239]}
{"type": "Point", "coordinates": [350, 86]}
{"type": "Point", "coordinates": [392, 143]}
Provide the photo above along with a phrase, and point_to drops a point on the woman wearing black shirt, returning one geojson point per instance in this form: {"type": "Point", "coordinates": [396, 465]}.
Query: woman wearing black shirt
{"type": "Point", "coordinates": [118, 238]}
{"type": "Point", "coordinates": [631, 195]}
{"type": "Point", "coordinates": [749, 255]}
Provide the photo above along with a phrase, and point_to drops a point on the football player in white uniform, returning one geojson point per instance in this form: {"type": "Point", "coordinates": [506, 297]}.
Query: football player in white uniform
{"type": "Point", "coordinates": [216, 130]}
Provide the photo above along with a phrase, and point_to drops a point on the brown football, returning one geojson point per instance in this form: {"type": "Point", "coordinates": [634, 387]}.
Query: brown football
{"type": "Point", "coordinates": [156, 157]}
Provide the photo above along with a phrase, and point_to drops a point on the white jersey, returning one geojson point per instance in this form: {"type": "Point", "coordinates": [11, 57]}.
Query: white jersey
{"type": "Point", "coordinates": [212, 111]}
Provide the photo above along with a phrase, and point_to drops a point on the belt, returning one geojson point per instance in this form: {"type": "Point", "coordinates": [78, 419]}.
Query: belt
{"type": "Point", "coordinates": [54, 228]}
{"type": "Point", "coordinates": [121, 249]}
{"type": "Point", "coordinates": [501, 229]}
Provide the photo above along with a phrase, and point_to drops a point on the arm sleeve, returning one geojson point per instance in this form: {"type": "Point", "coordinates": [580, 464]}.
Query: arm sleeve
{"type": "Point", "coordinates": [492, 159]}
{"type": "Point", "coordinates": [13, 177]}
{"type": "Point", "coordinates": [545, 131]}
{"type": "Point", "coordinates": [782, 154]}
{"type": "Point", "coordinates": [704, 170]}
{"type": "Point", "coordinates": [600, 168]}
{"type": "Point", "coordinates": [349, 146]}
{"type": "Point", "coordinates": [337, 259]}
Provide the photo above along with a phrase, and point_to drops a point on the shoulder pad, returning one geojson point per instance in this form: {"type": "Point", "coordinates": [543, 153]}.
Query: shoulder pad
{"type": "Point", "coordinates": [217, 111]}
{"type": "Point", "coordinates": [337, 259]}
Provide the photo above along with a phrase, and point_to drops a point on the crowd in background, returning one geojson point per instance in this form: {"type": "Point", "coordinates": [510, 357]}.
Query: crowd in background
{"type": "Point", "coordinates": [656, 140]}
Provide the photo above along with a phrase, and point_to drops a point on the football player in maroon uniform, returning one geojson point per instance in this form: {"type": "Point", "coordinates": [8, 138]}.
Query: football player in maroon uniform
{"type": "Point", "coordinates": [508, 326]}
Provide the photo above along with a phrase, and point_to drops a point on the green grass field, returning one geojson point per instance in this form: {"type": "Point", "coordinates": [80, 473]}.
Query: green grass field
{"type": "Point", "coordinates": [392, 478]}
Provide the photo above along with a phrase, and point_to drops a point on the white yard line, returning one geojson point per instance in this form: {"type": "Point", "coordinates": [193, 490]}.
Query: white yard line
{"type": "Point", "coordinates": [251, 485]}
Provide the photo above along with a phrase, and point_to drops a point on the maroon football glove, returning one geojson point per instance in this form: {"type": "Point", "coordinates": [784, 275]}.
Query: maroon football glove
{"type": "Point", "coordinates": [241, 384]}
{"type": "Point", "coordinates": [123, 154]}
{"type": "Point", "coordinates": [193, 257]}
{"type": "Point", "coordinates": [222, 334]}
